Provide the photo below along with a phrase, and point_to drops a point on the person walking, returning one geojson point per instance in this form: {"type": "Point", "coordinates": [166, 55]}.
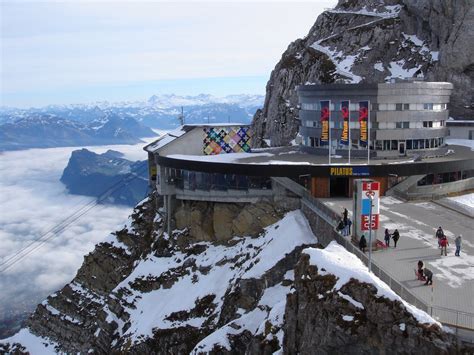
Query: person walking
{"type": "Point", "coordinates": [395, 237]}
{"type": "Point", "coordinates": [362, 243]}
{"type": "Point", "coordinates": [387, 237]}
{"type": "Point", "coordinates": [457, 242]}
{"type": "Point", "coordinates": [429, 276]}
{"type": "Point", "coordinates": [439, 235]}
{"type": "Point", "coordinates": [444, 245]}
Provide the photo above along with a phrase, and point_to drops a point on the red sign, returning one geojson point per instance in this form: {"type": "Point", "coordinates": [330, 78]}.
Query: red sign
{"type": "Point", "coordinates": [364, 222]}
{"type": "Point", "coordinates": [373, 185]}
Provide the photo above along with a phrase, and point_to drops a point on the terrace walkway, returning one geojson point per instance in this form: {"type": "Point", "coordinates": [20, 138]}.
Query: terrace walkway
{"type": "Point", "coordinates": [453, 281]}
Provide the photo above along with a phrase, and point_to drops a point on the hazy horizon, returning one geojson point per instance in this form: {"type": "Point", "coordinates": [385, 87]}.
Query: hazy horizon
{"type": "Point", "coordinates": [57, 53]}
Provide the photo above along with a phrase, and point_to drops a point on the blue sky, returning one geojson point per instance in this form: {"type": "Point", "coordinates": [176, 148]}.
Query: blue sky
{"type": "Point", "coordinates": [82, 51]}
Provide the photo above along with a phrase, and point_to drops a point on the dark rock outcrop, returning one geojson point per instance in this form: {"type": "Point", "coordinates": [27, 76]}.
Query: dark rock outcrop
{"type": "Point", "coordinates": [318, 317]}
{"type": "Point", "coordinates": [360, 41]}
{"type": "Point", "coordinates": [108, 176]}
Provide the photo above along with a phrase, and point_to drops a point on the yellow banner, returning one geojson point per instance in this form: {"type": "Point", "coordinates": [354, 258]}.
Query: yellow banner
{"type": "Point", "coordinates": [325, 131]}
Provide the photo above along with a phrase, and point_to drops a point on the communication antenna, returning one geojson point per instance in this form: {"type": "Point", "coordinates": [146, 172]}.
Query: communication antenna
{"type": "Point", "coordinates": [181, 117]}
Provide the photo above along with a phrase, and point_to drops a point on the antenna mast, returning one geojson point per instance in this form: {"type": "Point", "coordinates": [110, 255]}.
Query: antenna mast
{"type": "Point", "coordinates": [181, 117]}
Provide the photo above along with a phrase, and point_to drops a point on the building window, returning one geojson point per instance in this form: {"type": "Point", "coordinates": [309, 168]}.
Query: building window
{"type": "Point", "coordinates": [427, 106]}
{"type": "Point", "coordinates": [421, 144]}
{"type": "Point", "coordinates": [409, 144]}
{"type": "Point", "coordinates": [427, 124]}
{"type": "Point", "coordinates": [405, 124]}
{"type": "Point", "coordinates": [375, 107]}
{"type": "Point", "coordinates": [379, 145]}
{"type": "Point", "coordinates": [394, 144]}
{"type": "Point", "coordinates": [310, 106]}
{"type": "Point", "coordinates": [406, 107]}
{"type": "Point", "coordinates": [399, 107]}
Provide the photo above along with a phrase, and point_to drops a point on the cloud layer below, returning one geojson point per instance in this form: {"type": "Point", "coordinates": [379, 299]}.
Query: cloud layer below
{"type": "Point", "coordinates": [33, 200]}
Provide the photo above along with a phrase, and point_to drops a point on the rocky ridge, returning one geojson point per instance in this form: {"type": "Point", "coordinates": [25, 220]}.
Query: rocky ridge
{"type": "Point", "coordinates": [144, 291]}
{"type": "Point", "coordinates": [373, 41]}
{"type": "Point", "coordinates": [107, 176]}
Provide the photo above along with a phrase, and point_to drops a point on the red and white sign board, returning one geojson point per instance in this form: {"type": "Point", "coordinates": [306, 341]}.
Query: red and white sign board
{"type": "Point", "coordinates": [364, 222]}
{"type": "Point", "coordinates": [370, 195]}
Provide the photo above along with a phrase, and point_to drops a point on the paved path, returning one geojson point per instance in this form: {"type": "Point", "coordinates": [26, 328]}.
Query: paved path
{"type": "Point", "coordinates": [417, 222]}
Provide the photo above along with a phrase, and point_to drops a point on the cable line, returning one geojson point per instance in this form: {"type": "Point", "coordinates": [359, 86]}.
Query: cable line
{"type": "Point", "coordinates": [65, 223]}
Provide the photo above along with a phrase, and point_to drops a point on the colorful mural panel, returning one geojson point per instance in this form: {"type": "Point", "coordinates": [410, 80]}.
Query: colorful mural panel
{"type": "Point", "coordinates": [219, 140]}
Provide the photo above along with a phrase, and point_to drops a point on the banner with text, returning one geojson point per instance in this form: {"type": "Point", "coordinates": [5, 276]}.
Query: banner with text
{"type": "Point", "coordinates": [363, 122]}
{"type": "Point", "coordinates": [345, 124]}
{"type": "Point", "coordinates": [325, 113]}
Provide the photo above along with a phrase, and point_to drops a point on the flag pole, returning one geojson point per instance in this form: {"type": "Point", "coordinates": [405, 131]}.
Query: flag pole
{"type": "Point", "coordinates": [368, 132]}
{"type": "Point", "coordinates": [349, 124]}
{"type": "Point", "coordinates": [329, 127]}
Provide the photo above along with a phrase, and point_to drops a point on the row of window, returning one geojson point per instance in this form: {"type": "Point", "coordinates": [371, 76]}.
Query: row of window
{"type": "Point", "coordinates": [409, 144]}
{"type": "Point", "coordinates": [379, 107]}
{"type": "Point", "coordinates": [380, 125]}
{"type": "Point", "coordinates": [394, 144]}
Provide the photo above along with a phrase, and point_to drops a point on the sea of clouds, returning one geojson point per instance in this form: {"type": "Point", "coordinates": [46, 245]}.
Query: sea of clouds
{"type": "Point", "coordinates": [32, 201]}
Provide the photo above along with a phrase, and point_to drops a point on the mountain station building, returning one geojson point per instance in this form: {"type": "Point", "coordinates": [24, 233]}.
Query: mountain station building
{"type": "Point", "coordinates": [402, 123]}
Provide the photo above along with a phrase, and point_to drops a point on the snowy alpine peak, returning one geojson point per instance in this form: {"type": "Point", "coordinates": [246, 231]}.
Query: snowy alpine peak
{"type": "Point", "coordinates": [172, 100]}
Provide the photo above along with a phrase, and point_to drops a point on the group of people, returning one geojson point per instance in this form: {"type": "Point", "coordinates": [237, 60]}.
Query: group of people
{"type": "Point", "coordinates": [395, 236]}
{"type": "Point", "coordinates": [345, 223]}
{"type": "Point", "coordinates": [424, 274]}
{"type": "Point", "coordinates": [443, 242]}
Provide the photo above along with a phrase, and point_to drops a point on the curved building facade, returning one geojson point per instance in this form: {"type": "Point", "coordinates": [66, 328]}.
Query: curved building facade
{"type": "Point", "coordinates": [405, 117]}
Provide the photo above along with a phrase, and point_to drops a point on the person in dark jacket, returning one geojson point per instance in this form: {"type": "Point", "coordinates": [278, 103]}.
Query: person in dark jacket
{"type": "Point", "coordinates": [429, 276]}
{"type": "Point", "coordinates": [395, 237]}
{"type": "Point", "coordinates": [387, 237]}
{"type": "Point", "coordinates": [340, 226]}
{"type": "Point", "coordinates": [362, 243]}
{"type": "Point", "coordinates": [420, 271]}
{"type": "Point", "coordinates": [439, 235]}
{"type": "Point", "coordinates": [344, 215]}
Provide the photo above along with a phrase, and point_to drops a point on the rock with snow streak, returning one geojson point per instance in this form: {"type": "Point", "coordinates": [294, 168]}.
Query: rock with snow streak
{"type": "Point", "coordinates": [373, 41]}
{"type": "Point", "coordinates": [143, 291]}
{"type": "Point", "coordinates": [339, 307]}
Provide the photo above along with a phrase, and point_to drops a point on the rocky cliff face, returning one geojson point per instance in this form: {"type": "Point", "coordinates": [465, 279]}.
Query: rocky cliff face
{"type": "Point", "coordinates": [373, 41]}
{"type": "Point", "coordinates": [100, 175]}
{"type": "Point", "coordinates": [352, 318]}
{"type": "Point", "coordinates": [144, 291]}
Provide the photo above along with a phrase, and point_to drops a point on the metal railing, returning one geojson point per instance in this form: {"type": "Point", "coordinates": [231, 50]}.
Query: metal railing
{"type": "Point", "coordinates": [463, 322]}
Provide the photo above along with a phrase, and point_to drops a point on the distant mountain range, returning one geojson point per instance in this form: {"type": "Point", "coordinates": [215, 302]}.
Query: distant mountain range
{"type": "Point", "coordinates": [116, 123]}
{"type": "Point", "coordinates": [108, 176]}
{"type": "Point", "coordinates": [159, 111]}
{"type": "Point", "coordinates": [38, 130]}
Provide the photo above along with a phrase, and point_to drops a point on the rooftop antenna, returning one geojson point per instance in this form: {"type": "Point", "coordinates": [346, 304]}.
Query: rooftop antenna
{"type": "Point", "coordinates": [181, 117]}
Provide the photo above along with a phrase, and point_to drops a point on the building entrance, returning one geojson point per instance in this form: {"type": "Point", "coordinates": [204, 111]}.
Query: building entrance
{"type": "Point", "coordinates": [339, 187]}
{"type": "Point", "coordinates": [401, 147]}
